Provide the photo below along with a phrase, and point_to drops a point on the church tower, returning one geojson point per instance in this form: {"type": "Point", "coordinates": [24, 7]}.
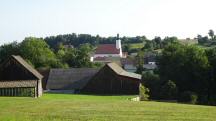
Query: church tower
{"type": "Point", "coordinates": [118, 45]}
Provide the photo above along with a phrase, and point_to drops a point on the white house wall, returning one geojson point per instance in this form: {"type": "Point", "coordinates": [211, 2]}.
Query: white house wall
{"type": "Point", "coordinates": [106, 55]}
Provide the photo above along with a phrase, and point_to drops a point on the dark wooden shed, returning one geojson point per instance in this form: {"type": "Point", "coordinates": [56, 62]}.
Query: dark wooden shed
{"type": "Point", "coordinates": [112, 79]}
{"type": "Point", "coordinates": [18, 78]}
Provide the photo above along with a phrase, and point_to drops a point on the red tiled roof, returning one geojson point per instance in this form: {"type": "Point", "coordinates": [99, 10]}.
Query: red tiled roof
{"type": "Point", "coordinates": [107, 49]}
{"type": "Point", "coordinates": [100, 58]}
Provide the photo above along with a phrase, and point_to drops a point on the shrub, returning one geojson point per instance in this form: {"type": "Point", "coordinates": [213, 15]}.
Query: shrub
{"type": "Point", "coordinates": [188, 97]}
{"type": "Point", "coordinates": [168, 90]}
{"type": "Point", "coordinates": [153, 83]}
{"type": "Point", "coordinates": [143, 92]}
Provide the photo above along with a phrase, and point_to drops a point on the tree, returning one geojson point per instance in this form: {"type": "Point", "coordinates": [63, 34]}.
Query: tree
{"type": "Point", "coordinates": [187, 66]}
{"type": "Point", "coordinates": [169, 90]}
{"type": "Point", "coordinates": [148, 45]}
{"type": "Point", "coordinates": [38, 53]}
{"type": "Point", "coordinates": [169, 40]}
{"type": "Point", "coordinates": [143, 93]}
{"type": "Point", "coordinates": [211, 87]}
{"type": "Point", "coordinates": [8, 49]}
{"type": "Point", "coordinates": [140, 62]}
{"type": "Point", "coordinates": [153, 83]}
{"type": "Point", "coordinates": [158, 42]}
{"type": "Point", "coordinates": [211, 34]}
{"type": "Point", "coordinates": [79, 57]}
{"type": "Point", "coordinates": [202, 40]}
{"type": "Point", "coordinates": [83, 55]}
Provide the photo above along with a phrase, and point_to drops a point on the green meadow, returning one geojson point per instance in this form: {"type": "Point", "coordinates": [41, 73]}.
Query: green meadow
{"type": "Point", "coordinates": [66, 107]}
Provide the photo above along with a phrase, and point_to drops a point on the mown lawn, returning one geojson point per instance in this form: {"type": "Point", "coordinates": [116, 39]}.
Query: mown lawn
{"type": "Point", "coordinates": [136, 45]}
{"type": "Point", "coordinates": [56, 107]}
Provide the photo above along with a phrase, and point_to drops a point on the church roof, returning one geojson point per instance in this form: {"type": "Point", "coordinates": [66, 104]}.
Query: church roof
{"type": "Point", "coordinates": [107, 49]}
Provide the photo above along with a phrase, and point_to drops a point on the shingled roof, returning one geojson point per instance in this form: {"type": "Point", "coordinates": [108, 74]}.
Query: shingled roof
{"type": "Point", "coordinates": [27, 66]}
{"type": "Point", "coordinates": [70, 79]}
{"type": "Point", "coordinates": [24, 64]}
{"type": "Point", "coordinates": [107, 49]}
{"type": "Point", "coordinates": [120, 71]}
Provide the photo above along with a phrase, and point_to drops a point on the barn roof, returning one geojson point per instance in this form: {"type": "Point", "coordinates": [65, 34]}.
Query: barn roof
{"type": "Point", "coordinates": [107, 49]}
{"type": "Point", "coordinates": [70, 79]}
{"type": "Point", "coordinates": [27, 66]}
{"type": "Point", "coordinates": [117, 69]}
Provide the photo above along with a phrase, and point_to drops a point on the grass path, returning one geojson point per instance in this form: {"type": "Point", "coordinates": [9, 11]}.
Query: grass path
{"type": "Point", "coordinates": [62, 107]}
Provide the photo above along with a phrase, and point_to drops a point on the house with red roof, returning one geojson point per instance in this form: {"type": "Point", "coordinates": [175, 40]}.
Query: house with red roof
{"type": "Point", "coordinates": [108, 50]}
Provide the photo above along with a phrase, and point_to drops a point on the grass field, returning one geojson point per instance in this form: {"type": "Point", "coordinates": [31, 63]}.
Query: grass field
{"type": "Point", "coordinates": [56, 107]}
{"type": "Point", "coordinates": [137, 45]}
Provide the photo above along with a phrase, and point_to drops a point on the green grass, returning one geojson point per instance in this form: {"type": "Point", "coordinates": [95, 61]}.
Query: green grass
{"type": "Point", "coordinates": [56, 107]}
{"type": "Point", "coordinates": [137, 45]}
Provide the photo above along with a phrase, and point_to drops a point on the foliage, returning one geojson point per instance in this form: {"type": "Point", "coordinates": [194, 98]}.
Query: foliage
{"type": "Point", "coordinates": [205, 41]}
{"type": "Point", "coordinates": [158, 43]}
{"type": "Point", "coordinates": [140, 62]}
{"type": "Point", "coordinates": [38, 53]}
{"type": "Point", "coordinates": [211, 34]}
{"type": "Point", "coordinates": [188, 66]}
{"type": "Point", "coordinates": [169, 91]}
{"type": "Point", "coordinates": [78, 39]}
{"type": "Point", "coordinates": [8, 49]}
{"type": "Point", "coordinates": [78, 57]}
{"type": "Point", "coordinates": [143, 92]}
{"type": "Point", "coordinates": [188, 97]}
{"type": "Point", "coordinates": [153, 83]}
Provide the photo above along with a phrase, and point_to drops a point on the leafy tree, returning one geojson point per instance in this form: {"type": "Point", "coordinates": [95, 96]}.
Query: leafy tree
{"type": "Point", "coordinates": [148, 45]}
{"type": "Point", "coordinates": [144, 92]}
{"type": "Point", "coordinates": [38, 53]}
{"type": "Point", "coordinates": [188, 97]}
{"type": "Point", "coordinates": [79, 57]}
{"type": "Point", "coordinates": [211, 87]}
{"type": "Point", "coordinates": [202, 40]}
{"type": "Point", "coordinates": [158, 42]}
{"type": "Point", "coordinates": [153, 83]}
{"type": "Point", "coordinates": [8, 49]}
{"type": "Point", "coordinates": [169, 40]}
{"type": "Point", "coordinates": [169, 90]}
{"type": "Point", "coordinates": [211, 34]}
{"type": "Point", "coordinates": [140, 62]}
{"type": "Point", "coordinates": [187, 65]}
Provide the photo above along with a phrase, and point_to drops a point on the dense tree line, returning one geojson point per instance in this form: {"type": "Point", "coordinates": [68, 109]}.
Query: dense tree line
{"type": "Point", "coordinates": [185, 72]}
{"type": "Point", "coordinates": [207, 40]}
{"type": "Point", "coordinates": [38, 53]}
{"type": "Point", "coordinates": [78, 39]}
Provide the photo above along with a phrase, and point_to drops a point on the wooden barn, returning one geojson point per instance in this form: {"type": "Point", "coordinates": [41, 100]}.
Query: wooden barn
{"type": "Point", "coordinates": [18, 78]}
{"type": "Point", "coordinates": [112, 79]}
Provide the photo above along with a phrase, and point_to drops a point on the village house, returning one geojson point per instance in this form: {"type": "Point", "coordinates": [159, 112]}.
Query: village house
{"type": "Point", "coordinates": [149, 62]}
{"type": "Point", "coordinates": [18, 78]}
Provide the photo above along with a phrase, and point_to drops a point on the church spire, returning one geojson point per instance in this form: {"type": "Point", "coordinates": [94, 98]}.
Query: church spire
{"type": "Point", "coordinates": [118, 36]}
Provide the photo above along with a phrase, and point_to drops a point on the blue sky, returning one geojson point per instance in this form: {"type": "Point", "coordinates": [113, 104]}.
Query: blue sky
{"type": "Point", "coordinates": [41, 18]}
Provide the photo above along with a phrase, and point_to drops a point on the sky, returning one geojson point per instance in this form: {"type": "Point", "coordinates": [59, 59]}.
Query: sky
{"type": "Point", "coordinates": [41, 18]}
